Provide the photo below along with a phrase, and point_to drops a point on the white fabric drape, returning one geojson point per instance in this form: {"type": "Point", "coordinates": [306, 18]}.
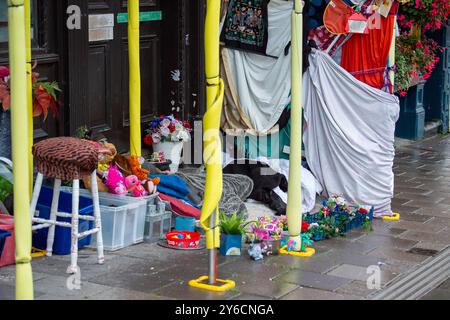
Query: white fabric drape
{"type": "Point", "coordinates": [349, 140]}
{"type": "Point", "coordinates": [262, 84]}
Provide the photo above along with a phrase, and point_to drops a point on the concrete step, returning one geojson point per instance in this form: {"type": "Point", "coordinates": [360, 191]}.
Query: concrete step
{"type": "Point", "coordinates": [432, 128]}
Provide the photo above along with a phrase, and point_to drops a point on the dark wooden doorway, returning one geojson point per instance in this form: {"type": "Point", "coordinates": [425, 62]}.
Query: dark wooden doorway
{"type": "Point", "coordinates": [98, 68]}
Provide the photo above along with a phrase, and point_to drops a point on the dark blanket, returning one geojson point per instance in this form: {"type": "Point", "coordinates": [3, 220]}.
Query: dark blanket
{"type": "Point", "coordinates": [264, 181]}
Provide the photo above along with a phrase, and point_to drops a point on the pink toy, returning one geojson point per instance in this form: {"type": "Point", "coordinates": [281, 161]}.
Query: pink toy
{"type": "Point", "coordinates": [115, 181]}
{"type": "Point", "coordinates": [151, 188]}
{"type": "Point", "coordinates": [135, 187]}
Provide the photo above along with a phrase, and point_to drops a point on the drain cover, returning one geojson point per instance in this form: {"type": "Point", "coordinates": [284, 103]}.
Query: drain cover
{"type": "Point", "coordinates": [423, 252]}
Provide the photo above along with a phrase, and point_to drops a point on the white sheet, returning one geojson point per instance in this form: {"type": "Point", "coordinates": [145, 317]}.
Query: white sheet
{"type": "Point", "coordinates": [349, 139]}
{"type": "Point", "coordinates": [263, 83]}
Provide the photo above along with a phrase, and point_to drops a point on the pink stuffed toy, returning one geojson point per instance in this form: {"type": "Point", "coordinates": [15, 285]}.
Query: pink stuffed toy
{"type": "Point", "coordinates": [134, 186]}
{"type": "Point", "coordinates": [115, 181]}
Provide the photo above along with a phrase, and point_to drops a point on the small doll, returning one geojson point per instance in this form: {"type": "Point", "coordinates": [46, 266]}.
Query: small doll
{"type": "Point", "coordinates": [134, 186]}
{"type": "Point", "coordinates": [115, 181]}
{"type": "Point", "coordinates": [255, 251]}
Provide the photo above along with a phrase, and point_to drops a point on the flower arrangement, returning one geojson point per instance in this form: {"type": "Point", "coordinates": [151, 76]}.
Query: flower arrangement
{"type": "Point", "coordinates": [44, 94]}
{"type": "Point", "coordinates": [167, 129]}
{"type": "Point", "coordinates": [424, 14]}
{"type": "Point", "coordinates": [416, 58]}
{"type": "Point", "coordinates": [267, 229]}
{"type": "Point", "coordinates": [336, 217]}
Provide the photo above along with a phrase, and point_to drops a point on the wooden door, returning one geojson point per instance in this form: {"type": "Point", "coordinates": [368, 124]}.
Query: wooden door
{"type": "Point", "coordinates": [98, 67]}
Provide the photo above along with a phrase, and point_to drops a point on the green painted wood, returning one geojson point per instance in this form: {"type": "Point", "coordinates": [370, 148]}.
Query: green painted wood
{"type": "Point", "coordinates": [144, 16]}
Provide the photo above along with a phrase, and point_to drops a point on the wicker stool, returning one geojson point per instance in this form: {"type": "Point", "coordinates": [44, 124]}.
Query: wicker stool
{"type": "Point", "coordinates": [66, 158]}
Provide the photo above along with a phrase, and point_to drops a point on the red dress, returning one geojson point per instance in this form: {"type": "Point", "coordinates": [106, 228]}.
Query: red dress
{"type": "Point", "coordinates": [366, 55]}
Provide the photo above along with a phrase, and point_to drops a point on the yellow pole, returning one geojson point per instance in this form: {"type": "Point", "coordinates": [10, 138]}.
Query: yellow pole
{"type": "Point", "coordinates": [29, 89]}
{"type": "Point", "coordinates": [294, 205]}
{"type": "Point", "coordinates": [211, 135]}
{"type": "Point", "coordinates": [392, 56]}
{"type": "Point", "coordinates": [135, 77]}
{"type": "Point", "coordinates": [19, 120]}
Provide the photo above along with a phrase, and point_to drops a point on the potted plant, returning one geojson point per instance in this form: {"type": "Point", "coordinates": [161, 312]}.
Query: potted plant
{"type": "Point", "coordinates": [232, 229]}
{"type": "Point", "coordinates": [167, 134]}
{"type": "Point", "coordinates": [44, 99]}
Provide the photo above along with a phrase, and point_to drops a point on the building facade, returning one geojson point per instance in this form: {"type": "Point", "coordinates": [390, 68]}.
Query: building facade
{"type": "Point", "coordinates": [89, 59]}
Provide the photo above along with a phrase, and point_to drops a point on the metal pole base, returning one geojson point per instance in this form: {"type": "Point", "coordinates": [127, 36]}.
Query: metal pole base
{"type": "Point", "coordinates": [395, 217]}
{"type": "Point", "coordinates": [219, 286]}
{"type": "Point", "coordinates": [307, 253]}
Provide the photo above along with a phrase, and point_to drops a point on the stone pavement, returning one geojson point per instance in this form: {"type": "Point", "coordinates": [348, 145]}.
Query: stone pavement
{"type": "Point", "coordinates": [337, 271]}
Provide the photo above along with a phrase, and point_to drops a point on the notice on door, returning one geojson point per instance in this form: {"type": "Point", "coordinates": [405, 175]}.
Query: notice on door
{"type": "Point", "coordinates": [101, 27]}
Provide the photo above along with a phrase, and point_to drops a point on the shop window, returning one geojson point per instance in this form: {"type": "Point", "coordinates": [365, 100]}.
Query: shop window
{"type": "Point", "coordinates": [4, 22]}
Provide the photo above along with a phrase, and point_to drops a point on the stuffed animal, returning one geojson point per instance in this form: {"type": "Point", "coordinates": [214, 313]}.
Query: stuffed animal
{"type": "Point", "coordinates": [115, 181]}
{"type": "Point", "coordinates": [256, 251]}
{"type": "Point", "coordinates": [134, 186]}
{"type": "Point", "coordinates": [137, 170]}
{"type": "Point", "coordinates": [149, 186]}
{"type": "Point", "coordinates": [291, 245]}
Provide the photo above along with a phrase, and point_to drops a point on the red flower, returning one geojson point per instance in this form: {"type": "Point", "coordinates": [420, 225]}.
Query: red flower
{"type": "Point", "coordinates": [403, 93]}
{"type": "Point", "coordinates": [148, 140]}
{"type": "Point", "coordinates": [305, 226]}
{"type": "Point", "coordinates": [362, 210]}
{"type": "Point", "coordinates": [171, 127]}
{"type": "Point", "coordinates": [186, 125]}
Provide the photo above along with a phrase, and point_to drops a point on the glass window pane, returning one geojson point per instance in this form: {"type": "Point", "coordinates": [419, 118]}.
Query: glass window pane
{"type": "Point", "coordinates": [4, 21]}
{"type": "Point", "coordinates": [3, 11]}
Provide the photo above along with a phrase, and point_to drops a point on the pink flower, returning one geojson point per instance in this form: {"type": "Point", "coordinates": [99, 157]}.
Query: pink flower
{"type": "Point", "coordinates": [165, 131]}
{"type": "Point", "coordinates": [156, 138]}
{"type": "Point", "coordinates": [4, 72]}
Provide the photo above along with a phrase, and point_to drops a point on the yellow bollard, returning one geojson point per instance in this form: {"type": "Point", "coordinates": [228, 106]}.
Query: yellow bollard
{"type": "Point", "coordinates": [212, 150]}
{"type": "Point", "coordinates": [27, 8]}
{"type": "Point", "coordinates": [135, 77]}
{"type": "Point", "coordinates": [19, 121]}
{"type": "Point", "coordinates": [294, 205]}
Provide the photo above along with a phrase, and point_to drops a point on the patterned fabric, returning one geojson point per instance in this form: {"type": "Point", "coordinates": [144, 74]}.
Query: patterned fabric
{"type": "Point", "coordinates": [246, 26]}
{"type": "Point", "coordinates": [65, 158]}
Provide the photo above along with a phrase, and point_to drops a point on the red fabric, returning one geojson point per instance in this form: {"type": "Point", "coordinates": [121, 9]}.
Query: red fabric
{"type": "Point", "coordinates": [366, 55]}
{"type": "Point", "coordinates": [8, 254]}
{"type": "Point", "coordinates": [336, 16]}
{"type": "Point", "coordinates": [180, 207]}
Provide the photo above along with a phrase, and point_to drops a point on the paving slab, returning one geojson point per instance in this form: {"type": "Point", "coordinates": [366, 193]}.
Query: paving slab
{"type": "Point", "coordinates": [313, 280]}
{"type": "Point", "coordinates": [355, 288]}
{"type": "Point", "coordinates": [392, 253]}
{"type": "Point", "coordinates": [181, 290]}
{"type": "Point", "coordinates": [316, 294]}
{"type": "Point", "coordinates": [352, 272]}
{"type": "Point", "coordinates": [383, 241]}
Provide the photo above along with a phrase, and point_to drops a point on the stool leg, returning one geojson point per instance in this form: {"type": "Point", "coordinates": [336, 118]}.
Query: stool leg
{"type": "Point", "coordinates": [53, 217]}
{"type": "Point", "coordinates": [73, 268]}
{"type": "Point", "coordinates": [98, 220]}
{"type": "Point", "coordinates": [36, 192]}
